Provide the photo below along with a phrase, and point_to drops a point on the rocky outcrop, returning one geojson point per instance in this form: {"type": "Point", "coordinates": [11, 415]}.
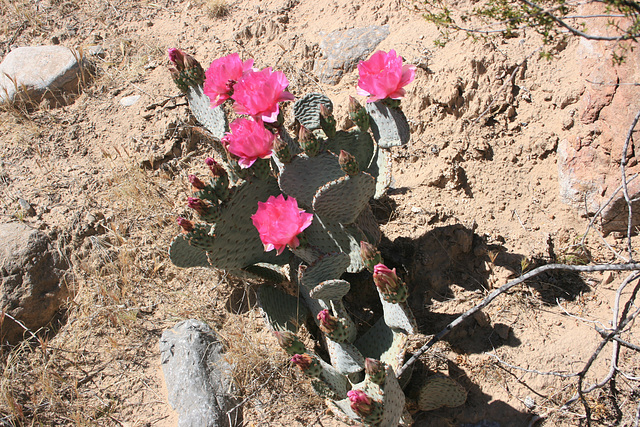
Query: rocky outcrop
{"type": "Point", "coordinates": [198, 377]}
{"type": "Point", "coordinates": [342, 50]}
{"type": "Point", "coordinates": [589, 161]}
{"type": "Point", "coordinates": [34, 280]}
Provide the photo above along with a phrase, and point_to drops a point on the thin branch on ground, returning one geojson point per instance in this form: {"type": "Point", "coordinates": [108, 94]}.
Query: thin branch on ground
{"type": "Point", "coordinates": [493, 295]}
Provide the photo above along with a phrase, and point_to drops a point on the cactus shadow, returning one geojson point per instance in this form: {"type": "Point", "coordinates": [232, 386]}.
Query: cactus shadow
{"type": "Point", "coordinates": [480, 408]}
{"type": "Point", "coordinates": [452, 261]}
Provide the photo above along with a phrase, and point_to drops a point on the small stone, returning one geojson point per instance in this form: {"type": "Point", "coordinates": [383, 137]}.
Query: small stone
{"type": "Point", "coordinates": [608, 277]}
{"type": "Point", "coordinates": [26, 207]}
{"type": "Point", "coordinates": [482, 318]}
{"type": "Point", "coordinates": [128, 101]}
{"type": "Point", "coordinates": [529, 402]}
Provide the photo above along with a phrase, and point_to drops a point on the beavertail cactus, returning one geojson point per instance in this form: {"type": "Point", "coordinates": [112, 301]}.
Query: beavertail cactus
{"type": "Point", "coordinates": [295, 210]}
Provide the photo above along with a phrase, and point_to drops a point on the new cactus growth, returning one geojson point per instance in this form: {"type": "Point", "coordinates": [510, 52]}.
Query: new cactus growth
{"type": "Point", "coordinates": [276, 200]}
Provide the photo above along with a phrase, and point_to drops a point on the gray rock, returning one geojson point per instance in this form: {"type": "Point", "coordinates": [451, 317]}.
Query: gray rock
{"type": "Point", "coordinates": [38, 72]}
{"type": "Point", "coordinates": [33, 277]}
{"type": "Point", "coordinates": [342, 50]}
{"type": "Point", "coordinates": [197, 376]}
{"type": "Point", "coordinates": [128, 101]}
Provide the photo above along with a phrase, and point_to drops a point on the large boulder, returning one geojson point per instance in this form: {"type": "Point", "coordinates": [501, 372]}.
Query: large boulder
{"type": "Point", "coordinates": [198, 377]}
{"type": "Point", "coordinates": [34, 280]}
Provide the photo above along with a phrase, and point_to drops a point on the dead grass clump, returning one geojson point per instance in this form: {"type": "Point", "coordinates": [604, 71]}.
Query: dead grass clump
{"type": "Point", "coordinates": [217, 8]}
{"type": "Point", "coordinates": [264, 376]}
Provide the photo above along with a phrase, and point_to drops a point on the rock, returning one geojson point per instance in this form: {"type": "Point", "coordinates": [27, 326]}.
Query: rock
{"type": "Point", "coordinates": [197, 376]}
{"type": "Point", "coordinates": [26, 207]}
{"type": "Point", "coordinates": [34, 279]}
{"type": "Point", "coordinates": [128, 101]}
{"type": "Point", "coordinates": [37, 72]}
{"type": "Point", "coordinates": [342, 50]}
{"type": "Point", "coordinates": [589, 160]}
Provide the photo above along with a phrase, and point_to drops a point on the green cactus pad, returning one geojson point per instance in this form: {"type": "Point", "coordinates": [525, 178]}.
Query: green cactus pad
{"type": "Point", "coordinates": [394, 400]}
{"type": "Point", "coordinates": [380, 167]}
{"type": "Point", "coordinates": [398, 316]}
{"type": "Point", "coordinates": [350, 326]}
{"type": "Point", "coordinates": [211, 118]}
{"type": "Point", "coordinates": [383, 343]}
{"type": "Point", "coordinates": [307, 109]}
{"type": "Point", "coordinates": [439, 391]}
{"type": "Point", "coordinates": [269, 272]}
{"type": "Point", "coordinates": [331, 289]}
{"type": "Point", "coordinates": [282, 311]}
{"type": "Point", "coordinates": [236, 243]}
{"type": "Point", "coordinates": [184, 255]}
{"type": "Point", "coordinates": [334, 380]}
{"type": "Point", "coordinates": [367, 223]}
{"type": "Point", "coordinates": [327, 267]}
{"type": "Point", "coordinates": [389, 125]}
{"type": "Point", "coordinates": [343, 199]}
{"type": "Point", "coordinates": [345, 357]}
{"type": "Point", "coordinates": [305, 175]}
{"type": "Point", "coordinates": [358, 144]}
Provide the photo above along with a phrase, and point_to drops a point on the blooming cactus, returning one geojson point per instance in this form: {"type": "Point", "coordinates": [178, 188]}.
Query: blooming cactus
{"type": "Point", "coordinates": [222, 75]}
{"type": "Point", "coordinates": [249, 140]}
{"type": "Point", "coordinates": [384, 76]}
{"type": "Point", "coordinates": [257, 94]}
{"type": "Point", "coordinates": [279, 222]}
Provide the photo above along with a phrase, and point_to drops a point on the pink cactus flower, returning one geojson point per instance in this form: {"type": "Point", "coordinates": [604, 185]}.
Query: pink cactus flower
{"type": "Point", "coordinates": [257, 94]}
{"type": "Point", "coordinates": [360, 402]}
{"type": "Point", "coordinates": [384, 76]}
{"type": "Point", "coordinates": [249, 140]}
{"type": "Point", "coordinates": [385, 278]}
{"type": "Point", "coordinates": [279, 221]}
{"type": "Point", "coordinates": [222, 75]}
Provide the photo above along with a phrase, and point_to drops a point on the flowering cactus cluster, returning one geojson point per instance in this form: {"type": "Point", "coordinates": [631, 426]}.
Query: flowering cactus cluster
{"type": "Point", "coordinates": [296, 210]}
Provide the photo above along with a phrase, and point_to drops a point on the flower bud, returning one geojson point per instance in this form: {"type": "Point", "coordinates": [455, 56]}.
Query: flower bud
{"type": "Point", "coordinates": [289, 342]}
{"type": "Point", "coordinates": [282, 151]}
{"type": "Point", "coordinates": [189, 71]}
{"type": "Point", "coordinates": [308, 141]}
{"type": "Point", "coordinates": [215, 168]}
{"type": "Point", "coordinates": [389, 284]}
{"type": "Point", "coordinates": [375, 369]}
{"type": "Point", "coordinates": [198, 205]}
{"type": "Point", "coordinates": [327, 122]}
{"type": "Point", "coordinates": [360, 402]}
{"type": "Point", "coordinates": [370, 255]}
{"type": "Point", "coordinates": [358, 114]}
{"type": "Point", "coordinates": [328, 323]}
{"type": "Point", "coordinates": [307, 364]}
{"type": "Point", "coordinates": [196, 183]}
{"type": "Point", "coordinates": [348, 163]}
{"type": "Point", "coordinates": [186, 225]}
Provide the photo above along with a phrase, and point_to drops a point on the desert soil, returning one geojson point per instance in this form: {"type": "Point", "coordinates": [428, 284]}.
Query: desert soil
{"type": "Point", "coordinates": [474, 202]}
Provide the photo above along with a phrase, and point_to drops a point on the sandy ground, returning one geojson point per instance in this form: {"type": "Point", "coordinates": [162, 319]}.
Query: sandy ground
{"type": "Point", "coordinates": [474, 202]}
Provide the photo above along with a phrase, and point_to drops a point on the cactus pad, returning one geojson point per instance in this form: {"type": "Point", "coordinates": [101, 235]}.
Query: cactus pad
{"type": "Point", "coordinates": [305, 175]}
{"type": "Point", "coordinates": [382, 343]}
{"type": "Point", "coordinates": [327, 267]}
{"type": "Point", "coordinates": [389, 125]}
{"type": "Point", "coordinates": [358, 144]}
{"type": "Point", "coordinates": [184, 255]}
{"type": "Point", "coordinates": [343, 199]}
{"type": "Point", "coordinates": [398, 316]}
{"type": "Point", "coordinates": [307, 109]}
{"type": "Point", "coordinates": [331, 290]}
{"type": "Point", "coordinates": [345, 357]}
{"type": "Point", "coordinates": [211, 118]}
{"type": "Point", "coordinates": [282, 311]}
{"type": "Point", "coordinates": [439, 391]}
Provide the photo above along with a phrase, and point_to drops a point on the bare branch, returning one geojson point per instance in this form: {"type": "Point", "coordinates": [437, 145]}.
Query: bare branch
{"type": "Point", "coordinates": [493, 295]}
{"type": "Point", "coordinates": [575, 31]}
